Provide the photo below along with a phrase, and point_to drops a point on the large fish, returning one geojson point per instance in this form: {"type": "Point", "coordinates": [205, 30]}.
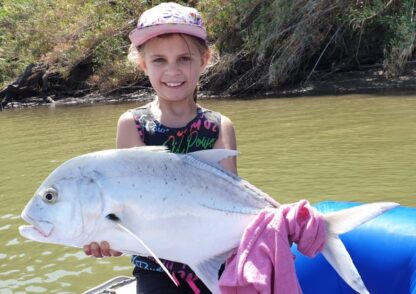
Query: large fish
{"type": "Point", "coordinates": [184, 208]}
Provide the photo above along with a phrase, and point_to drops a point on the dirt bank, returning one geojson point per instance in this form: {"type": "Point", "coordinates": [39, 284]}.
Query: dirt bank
{"type": "Point", "coordinates": [369, 81]}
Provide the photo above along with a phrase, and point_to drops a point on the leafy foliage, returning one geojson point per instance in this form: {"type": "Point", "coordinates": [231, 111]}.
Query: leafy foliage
{"type": "Point", "coordinates": [261, 44]}
{"type": "Point", "coordinates": [281, 42]}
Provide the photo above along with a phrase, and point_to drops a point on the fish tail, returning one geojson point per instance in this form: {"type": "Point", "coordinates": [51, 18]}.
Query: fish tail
{"type": "Point", "coordinates": [343, 221]}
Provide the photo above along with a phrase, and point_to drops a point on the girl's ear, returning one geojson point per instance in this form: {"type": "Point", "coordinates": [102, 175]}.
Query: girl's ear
{"type": "Point", "coordinates": [205, 58]}
{"type": "Point", "coordinates": [142, 65]}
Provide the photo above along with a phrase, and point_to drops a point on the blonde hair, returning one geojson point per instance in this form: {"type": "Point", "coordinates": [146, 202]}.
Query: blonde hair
{"type": "Point", "coordinates": [136, 53]}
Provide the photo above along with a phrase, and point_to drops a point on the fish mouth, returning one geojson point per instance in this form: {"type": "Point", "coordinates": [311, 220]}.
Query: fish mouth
{"type": "Point", "coordinates": [35, 228]}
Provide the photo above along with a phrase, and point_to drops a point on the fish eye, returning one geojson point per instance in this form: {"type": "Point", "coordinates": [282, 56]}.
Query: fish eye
{"type": "Point", "coordinates": [50, 195]}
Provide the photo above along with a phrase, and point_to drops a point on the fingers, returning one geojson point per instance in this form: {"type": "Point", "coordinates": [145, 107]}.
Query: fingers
{"type": "Point", "coordinates": [100, 250]}
{"type": "Point", "coordinates": [105, 249]}
{"type": "Point", "coordinates": [87, 249]}
{"type": "Point", "coordinates": [115, 252]}
{"type": "Point", "coordinates": [93, 249]}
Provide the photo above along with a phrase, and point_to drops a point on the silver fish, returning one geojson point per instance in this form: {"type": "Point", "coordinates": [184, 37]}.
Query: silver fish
{"type": "Point", "coordinates": [180, 207]}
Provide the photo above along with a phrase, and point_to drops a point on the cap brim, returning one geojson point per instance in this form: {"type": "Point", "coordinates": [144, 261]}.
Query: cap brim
{"type": "Point", "coordinates": [140, 36]}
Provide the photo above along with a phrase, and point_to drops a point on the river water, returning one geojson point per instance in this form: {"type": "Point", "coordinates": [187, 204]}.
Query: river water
{"type": "Point", "coordinates": [349, 148]}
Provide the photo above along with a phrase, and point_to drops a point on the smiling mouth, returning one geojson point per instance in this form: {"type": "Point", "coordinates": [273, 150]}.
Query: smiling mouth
{"type": "Point", "coordinates": [174, 85]}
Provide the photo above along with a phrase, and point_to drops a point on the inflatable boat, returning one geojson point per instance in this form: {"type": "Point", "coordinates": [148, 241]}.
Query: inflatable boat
{"type": "Point", "coordinates": [383, 250]}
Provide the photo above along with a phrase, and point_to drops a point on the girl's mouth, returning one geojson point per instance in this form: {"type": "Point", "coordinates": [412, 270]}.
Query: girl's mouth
{"type": "Point", "coordinates": [174, 84]}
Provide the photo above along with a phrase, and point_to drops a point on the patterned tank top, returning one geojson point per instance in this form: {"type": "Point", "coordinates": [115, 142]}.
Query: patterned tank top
{"type": "Point", "coordinates": [199, 134]}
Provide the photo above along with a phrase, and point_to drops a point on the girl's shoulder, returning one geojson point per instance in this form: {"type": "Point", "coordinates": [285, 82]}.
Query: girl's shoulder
{"type": "Point", "coordinates": [140, 114]}
{"type": "Point", "coordinates": [141, 109]}
{"type": "Point", "coordinates": [211, 115]}
{"type": "Point", "coordinates": [215, 116]}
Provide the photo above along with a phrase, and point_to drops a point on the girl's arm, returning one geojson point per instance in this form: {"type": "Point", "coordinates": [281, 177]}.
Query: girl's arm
{"type": "Point", "coordinates": [227, 140]}
{"type": "Point", "coordinates": [127, 135]}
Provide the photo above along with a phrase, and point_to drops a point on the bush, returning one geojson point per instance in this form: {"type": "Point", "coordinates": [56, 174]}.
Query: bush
{"type": "Point", "coordinates": [261, 44]}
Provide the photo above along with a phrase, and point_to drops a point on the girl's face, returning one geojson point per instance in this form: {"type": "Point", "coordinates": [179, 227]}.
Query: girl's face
{"type": "Point", "coordinates": [173, 64]}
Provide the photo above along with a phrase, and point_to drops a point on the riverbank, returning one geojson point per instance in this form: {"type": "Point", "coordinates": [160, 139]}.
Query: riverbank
{"type": "Point", "coordinates": [258, 46]}
{"type": "Point", "coordinates": [369, 81]}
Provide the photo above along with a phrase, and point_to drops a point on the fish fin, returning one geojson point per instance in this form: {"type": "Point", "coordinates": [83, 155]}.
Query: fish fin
{"type": "Point", "coordinates": [339, 258]}
{"type": "Point", "coordinates": [345, 220]}
{"type": "Point", "coordinates": [152, 148]}
{"type": "Point", "coordinates": [341, 222]}
{"type": "Point", "coordinates": [213, 156]}
{"type": "Point", "coordinates": [111, 216]}
{"type": "Point", "coordinates": [207, 272]}
{"type": "Point", "coordinates": [252, 211]}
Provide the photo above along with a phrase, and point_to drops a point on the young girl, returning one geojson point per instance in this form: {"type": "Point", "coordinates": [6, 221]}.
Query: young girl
{"type": "Point", "coordinates": [169, 45]}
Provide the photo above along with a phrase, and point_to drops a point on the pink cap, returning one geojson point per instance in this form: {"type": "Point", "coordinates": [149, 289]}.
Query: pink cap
{"type": "Point", "coordinates": [167, 18]}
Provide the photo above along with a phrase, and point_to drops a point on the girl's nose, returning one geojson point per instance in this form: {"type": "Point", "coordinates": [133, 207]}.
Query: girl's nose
{"type": "Point", "coordinates": [172, 68]}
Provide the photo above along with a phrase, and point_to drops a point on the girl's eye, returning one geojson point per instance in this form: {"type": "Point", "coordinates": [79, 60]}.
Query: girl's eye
{"type": "Point", "coordinates": [185, 59]}
{"type": "Point", "coordinates": [50, 195]}
{"type": "Point", "coordinates": [158, 60]}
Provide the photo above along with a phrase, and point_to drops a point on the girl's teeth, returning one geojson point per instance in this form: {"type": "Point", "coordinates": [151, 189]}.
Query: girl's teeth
{"type": "Point", "coordinates": [173, 84]}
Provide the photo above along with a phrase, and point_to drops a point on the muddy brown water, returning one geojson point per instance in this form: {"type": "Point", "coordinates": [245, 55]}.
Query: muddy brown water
{"type": "Point", "coordinates": [346, 148]}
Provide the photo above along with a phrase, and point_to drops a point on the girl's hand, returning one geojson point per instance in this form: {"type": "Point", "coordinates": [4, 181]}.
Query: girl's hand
{"type": "Point", "coordinates": [100, 250]}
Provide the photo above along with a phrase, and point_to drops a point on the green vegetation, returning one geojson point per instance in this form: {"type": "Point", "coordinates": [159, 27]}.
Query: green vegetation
{"type": "Point", "coordinates": [261, 44]}
{"type": "Point", "coordinates": [64, 34]}
{"type": "Point", "coordinates": [269, 43]}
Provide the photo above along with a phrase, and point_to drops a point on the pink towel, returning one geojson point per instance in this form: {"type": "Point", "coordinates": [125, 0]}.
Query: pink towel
{"type": "Point", "coordinates": [263, 263]}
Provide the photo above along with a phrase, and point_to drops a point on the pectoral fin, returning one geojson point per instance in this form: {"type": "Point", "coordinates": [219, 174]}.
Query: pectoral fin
{"type": "Point", "coordinates": [151, 253]}
{"type": "Point", "coordinates": [114, 218]}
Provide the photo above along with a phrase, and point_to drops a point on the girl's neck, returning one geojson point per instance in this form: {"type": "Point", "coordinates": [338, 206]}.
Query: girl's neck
{"type": "Point", "coordinates": [174, 114]}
